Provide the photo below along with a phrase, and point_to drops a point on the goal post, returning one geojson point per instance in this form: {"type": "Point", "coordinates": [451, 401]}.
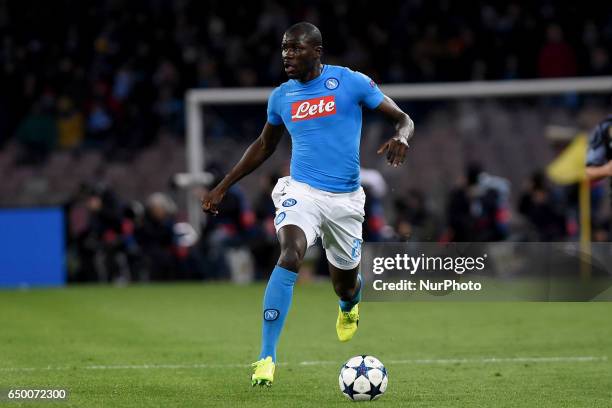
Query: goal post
{"type": "Point", "coordinates": [195, 99]}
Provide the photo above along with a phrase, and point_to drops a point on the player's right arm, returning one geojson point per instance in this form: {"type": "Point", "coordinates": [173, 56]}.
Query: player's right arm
{"type": "Point", "coordinates": [597, 164]}
{"type": "Point", "coordinates": [599, 172]}
{"type": "Point", "coordinates": [257, 153]}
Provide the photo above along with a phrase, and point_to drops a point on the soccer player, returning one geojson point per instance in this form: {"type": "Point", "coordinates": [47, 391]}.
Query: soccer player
{"type": "Point", "coordinates": [321, 108]}
{"type": "Point", "coordinates": [599, 153]}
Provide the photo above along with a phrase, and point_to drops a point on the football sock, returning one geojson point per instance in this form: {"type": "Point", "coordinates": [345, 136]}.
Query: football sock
{"type": "Point", "coordinates": [347, 305]}
{"type": "Point", "coordinates": [276, 304]}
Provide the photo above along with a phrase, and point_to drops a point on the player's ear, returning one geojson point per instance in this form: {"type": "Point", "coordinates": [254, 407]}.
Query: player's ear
{"type": "Point", "coordinates": [319, 50]}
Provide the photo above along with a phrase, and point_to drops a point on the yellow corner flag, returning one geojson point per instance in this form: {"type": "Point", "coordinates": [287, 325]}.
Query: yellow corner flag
{"type": "Point", "coordinates": [569, 167]}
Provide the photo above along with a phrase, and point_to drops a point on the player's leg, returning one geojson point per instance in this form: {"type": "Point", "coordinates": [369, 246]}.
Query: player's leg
{"type": "Point", "coordinates": [344, 271]}
{"type": "Point", "coordinates": [279, 291]}
{"type": "Point", "coordinates": [297, 226]}
{"type": "Point", "coordinates": [277, 300]}
{"type": "Point", "coordinates": [341, 233]}
{"type": "Point", "coordinates": [347, 285]}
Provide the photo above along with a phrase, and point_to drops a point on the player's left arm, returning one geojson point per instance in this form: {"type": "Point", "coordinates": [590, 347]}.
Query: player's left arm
{"type": "Point", "coordinates": [397, 145]}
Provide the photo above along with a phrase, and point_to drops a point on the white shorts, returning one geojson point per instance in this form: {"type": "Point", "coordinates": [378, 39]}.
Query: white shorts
{"type": "Point", "coordinates": [335, 217]}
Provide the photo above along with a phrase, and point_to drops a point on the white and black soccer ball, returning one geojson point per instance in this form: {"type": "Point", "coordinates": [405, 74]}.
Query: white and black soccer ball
{"type": "Point", "coordinates": [363, 378]}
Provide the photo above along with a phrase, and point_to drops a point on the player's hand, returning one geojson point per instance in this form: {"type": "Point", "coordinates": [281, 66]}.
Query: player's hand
{"type": "Point", "coordinates": [396, 151]}
{"type": "Point", "coordinates": [211, 200]}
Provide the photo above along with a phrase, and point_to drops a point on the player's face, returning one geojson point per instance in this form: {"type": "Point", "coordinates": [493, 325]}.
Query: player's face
{"type": "Point", "coordinates": [299, 56]}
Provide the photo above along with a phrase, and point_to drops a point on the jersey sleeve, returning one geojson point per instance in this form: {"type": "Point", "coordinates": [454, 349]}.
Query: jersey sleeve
{"type": "Point", "coordinates": [596, 153]}
{"type": "Point", "coordinates": [366, 90]}
{"type": "Point", "coordinates": [274, 117]}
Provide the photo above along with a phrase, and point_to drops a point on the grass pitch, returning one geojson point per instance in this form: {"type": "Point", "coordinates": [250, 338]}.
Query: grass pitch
{"type": "Point", "coordinates": [191, 345]}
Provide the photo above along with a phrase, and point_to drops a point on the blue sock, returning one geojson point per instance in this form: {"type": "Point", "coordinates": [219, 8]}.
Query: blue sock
{"type": "Point", "coordinates": [277, 301]}
{"type": "Point", "coordinates": [347, 305]}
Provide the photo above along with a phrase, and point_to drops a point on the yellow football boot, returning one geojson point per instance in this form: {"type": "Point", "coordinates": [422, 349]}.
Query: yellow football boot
{"type": "Point", "coordinates": [347, 323]}
{"type": "Point", "coordinates": [263, 372]}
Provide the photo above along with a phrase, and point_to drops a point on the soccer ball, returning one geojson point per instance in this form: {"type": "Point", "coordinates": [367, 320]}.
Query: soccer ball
{"type": "Point", "coordinates": [363, 378]}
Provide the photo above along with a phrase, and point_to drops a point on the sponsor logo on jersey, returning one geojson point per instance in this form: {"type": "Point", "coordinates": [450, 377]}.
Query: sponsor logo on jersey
{"type": "Point", "coordinates": [280, 217]}
{"type": "Point", "coordinates": [271, 314]}
{"type": "Point", "coordinates": [313, 108]}
{"type": "Point", "coordinates": [331, 83]}
{"type": "Point", "coordinates": [290, 202]}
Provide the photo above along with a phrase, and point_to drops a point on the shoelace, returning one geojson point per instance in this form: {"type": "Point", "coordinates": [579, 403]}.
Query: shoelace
{"type": "Point", "coordinates": [350, 316]}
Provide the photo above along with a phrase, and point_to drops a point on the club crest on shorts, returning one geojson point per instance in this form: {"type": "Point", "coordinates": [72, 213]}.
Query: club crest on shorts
{"type": "Point", "coordinates": [331, 83]}
{"type": "Point", "coordinates": [271, 314]}
{"type": "Point", "coordinates": [290, 202]}
{"type": "Point", "coordinates": [279, 218]}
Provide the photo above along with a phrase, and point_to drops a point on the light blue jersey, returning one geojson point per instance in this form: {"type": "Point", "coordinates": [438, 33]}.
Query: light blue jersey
{"type": "Point", "coordinates": [323, 117]}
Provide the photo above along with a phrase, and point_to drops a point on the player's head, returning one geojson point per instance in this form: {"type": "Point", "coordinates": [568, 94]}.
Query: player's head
{"type": "Point", "coordinates": [302, 47]}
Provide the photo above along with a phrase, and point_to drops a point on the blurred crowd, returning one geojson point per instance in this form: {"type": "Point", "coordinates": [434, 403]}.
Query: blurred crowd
{"type": "Point", "coordinates": [112, 75]}
{"type": "Point", "coordinates": [112, 240]}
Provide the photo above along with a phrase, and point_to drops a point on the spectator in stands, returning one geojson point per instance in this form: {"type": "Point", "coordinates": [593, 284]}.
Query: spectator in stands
{"type": "Point", "coordinates": [599, 62]}
{"type": "Point", "coordinates": [413, 220]}
{"type": "Point", "coordinates": [123, 83]}
{"type": "Point", "coordinates": [99, 125]}
{"type": "Point", "coordinates": [460, 220]}
{"type": "Point", "coordinates": [264, 245]}
{"type": "Point", "coordinates": [156, 237]}
{"type": "Point", "coordinates": [169, 111]}
{"type": "Point", "coordinates": [100, 243]}
{"type": "Point", "coordinates": [374, 226]}
{"type": "Point", "coordinates": [543, 208]}
{"type": "Point", "coordinates": [37, 134]}
{"type": "Point", "coordinates": [70, 124]}
{"type": "Point", "coordinates": [478, 209]}
{"type": "Point", "coordinates": [233, 228]}
{"type": "Point", "coordinates": [601, 231]}
{"type": "Point", "coordinates": [557, 57]}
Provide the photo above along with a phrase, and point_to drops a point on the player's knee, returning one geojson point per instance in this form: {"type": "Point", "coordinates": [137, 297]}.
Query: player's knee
{"type": "Point", "coordinates": [290, 258]}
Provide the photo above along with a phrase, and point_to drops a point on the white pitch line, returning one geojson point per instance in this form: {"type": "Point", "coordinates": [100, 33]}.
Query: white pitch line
{"type": "Point", "coordinates": [482, 360]}
{"type": "Point", "coordinates": [488, 360]}
{"type": "Point", "coordinates": [161, 366]}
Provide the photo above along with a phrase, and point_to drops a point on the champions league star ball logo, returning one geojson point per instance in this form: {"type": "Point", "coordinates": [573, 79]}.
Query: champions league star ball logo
{"type": "Point", "coordinates": [331, 83]}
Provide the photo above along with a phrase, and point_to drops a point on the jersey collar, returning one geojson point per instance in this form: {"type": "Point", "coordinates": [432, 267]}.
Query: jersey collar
{"type": "Point", "coordinates": [312, 81]}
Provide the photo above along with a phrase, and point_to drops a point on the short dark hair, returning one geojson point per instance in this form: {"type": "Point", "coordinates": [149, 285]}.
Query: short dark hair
{"type": "Point", "coordinates": [310, 31]}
